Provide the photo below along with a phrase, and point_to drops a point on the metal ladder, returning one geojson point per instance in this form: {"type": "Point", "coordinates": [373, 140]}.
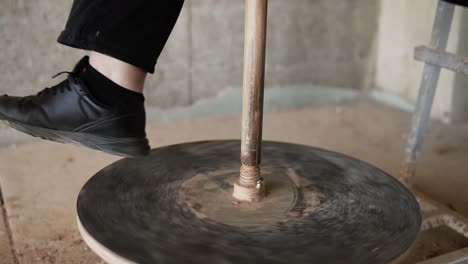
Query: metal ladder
{"type": "Point", "coordinates": [434, 57]}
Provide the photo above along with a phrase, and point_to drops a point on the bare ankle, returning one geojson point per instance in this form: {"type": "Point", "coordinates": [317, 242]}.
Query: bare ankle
{"type": "Point", "coordinates": [122, 73]}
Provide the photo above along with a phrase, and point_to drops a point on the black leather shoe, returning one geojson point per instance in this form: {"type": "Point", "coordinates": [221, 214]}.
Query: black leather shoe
{"type": "Point", "coordinates": [68, 113]}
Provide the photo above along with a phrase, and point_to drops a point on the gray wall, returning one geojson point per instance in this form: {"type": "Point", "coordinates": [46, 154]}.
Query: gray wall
{"type": "Point", "coordinates": [328, 42]}
{"type": "Point", "coordinates": [459, 109]}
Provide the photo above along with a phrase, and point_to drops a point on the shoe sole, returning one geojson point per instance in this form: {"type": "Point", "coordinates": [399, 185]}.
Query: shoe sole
{"type": "Point", "coordinates": [126, 147]}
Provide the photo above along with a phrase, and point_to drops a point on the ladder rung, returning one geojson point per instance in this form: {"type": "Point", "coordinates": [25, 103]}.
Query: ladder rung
{"type": "Point", "coordinates": [442, 58]}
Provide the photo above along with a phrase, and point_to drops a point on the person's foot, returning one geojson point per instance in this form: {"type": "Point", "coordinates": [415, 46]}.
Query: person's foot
{"type": "Point", "coordinates": [69, 113]}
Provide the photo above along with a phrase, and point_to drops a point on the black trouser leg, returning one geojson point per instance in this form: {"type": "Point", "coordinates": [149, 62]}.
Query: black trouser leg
{"type": "Point", "coordinates": [134, 31]}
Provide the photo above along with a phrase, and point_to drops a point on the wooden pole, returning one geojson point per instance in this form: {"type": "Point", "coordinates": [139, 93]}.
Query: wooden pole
{"type": "Point", "coordinates": [250, 186]}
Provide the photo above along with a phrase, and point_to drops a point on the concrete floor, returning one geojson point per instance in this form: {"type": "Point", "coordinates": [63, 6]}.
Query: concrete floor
{"type": "Point", "coordinates": [40, 180]}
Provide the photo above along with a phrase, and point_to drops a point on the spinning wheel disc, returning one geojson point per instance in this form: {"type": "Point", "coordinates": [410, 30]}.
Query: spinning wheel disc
{"type": "Point", "coordinates": [175, 206]}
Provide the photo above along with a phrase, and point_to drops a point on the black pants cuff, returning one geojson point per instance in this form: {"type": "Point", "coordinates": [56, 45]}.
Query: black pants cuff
{"type": "Point", "coordinates": [139, 59]}
{"type": "Point", "coordinates": [133, 31]}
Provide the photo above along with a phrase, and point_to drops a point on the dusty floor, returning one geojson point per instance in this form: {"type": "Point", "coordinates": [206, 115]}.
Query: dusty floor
{"type": "Point", "coordinates": [41, 180]}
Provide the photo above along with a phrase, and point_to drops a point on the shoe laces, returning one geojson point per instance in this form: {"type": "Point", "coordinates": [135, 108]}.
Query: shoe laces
{"type": "Point", "coordinates": [61, 87]}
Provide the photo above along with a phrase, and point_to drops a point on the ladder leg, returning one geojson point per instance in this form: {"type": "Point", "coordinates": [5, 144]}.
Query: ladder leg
{"type": "Point", "coordinates": [430, 77]}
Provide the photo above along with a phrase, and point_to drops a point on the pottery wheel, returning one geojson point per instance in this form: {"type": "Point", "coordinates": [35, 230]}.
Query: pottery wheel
{"type": "Point", "coordinates": [176, 206]}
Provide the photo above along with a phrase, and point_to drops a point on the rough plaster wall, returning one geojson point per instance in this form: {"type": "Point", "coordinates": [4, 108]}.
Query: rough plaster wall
{"type": "Point", "coordinates": [402, 26]}
{"type": "Point", "coordinates": [327, 42]}
{"type": "Point", "coordinates": [29, 52]}
{"type": "Point", "coordinates": [322, 41]}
